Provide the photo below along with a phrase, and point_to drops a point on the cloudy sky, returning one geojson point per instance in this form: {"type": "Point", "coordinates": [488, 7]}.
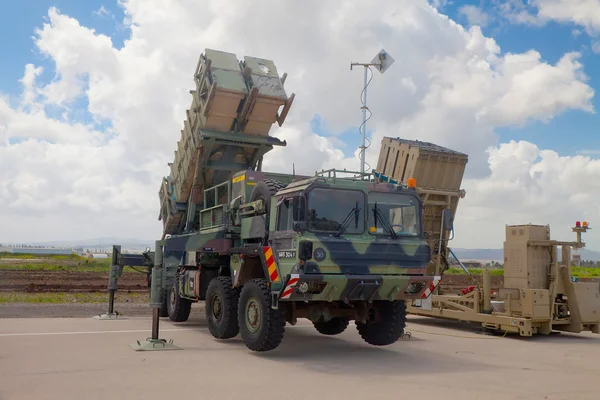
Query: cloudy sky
{"type": "Point", "coordinates": [93, 96]}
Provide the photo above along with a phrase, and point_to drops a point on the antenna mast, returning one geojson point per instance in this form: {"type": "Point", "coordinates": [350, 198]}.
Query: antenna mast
{"type": "Point", "coordinates": [382, 61]}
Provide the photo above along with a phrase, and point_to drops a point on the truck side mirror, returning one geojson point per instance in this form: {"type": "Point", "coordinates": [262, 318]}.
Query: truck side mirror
{"type": "Point", "coordinates": [299, 207]}
{"type": "Point", "coordinates": [305, 250]}
{"type": "Point", "coordinates": [299, 214]}
{"type": "Point", "coordinates": [448, 219]}
{"type": "Point", "coordinates": [300, 226]}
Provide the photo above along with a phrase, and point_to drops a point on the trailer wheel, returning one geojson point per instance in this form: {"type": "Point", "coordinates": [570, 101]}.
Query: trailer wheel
{"type": "Point", "coordinates": [221, 308]}
{"type": "Point", "coordinates": [177, 307]}
{"type": "Point", "coordinates": [261, 327]}
{"type": "Point", "coordinates": [334, 326]}
{"type": "Point", "coordinates": [387, 324]}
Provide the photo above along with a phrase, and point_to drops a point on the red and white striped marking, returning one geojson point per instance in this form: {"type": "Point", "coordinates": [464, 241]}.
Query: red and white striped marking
{"type": "Point", "coordinates": [289, 289]}
{"type": "Point", "coordinates": [431, 288]}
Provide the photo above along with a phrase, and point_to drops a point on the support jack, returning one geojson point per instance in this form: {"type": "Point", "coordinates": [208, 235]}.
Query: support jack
{"type": "Point", "coordinates": [114, 315]}
{"type": "Point", "coordinates": [119, 261]}
{"type": "Point", "coordinates": [111, 314]}
{"type": "Point", "coordinates": [154, 343]}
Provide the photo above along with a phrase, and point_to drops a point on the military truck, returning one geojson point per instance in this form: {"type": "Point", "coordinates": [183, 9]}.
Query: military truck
{"type": "Point", "coordinates": [324, 248]}
{"type": "Point", "coordinates": [263, 249]}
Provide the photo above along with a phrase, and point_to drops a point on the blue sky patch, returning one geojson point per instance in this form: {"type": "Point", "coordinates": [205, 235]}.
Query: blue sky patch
{"type": "Point", "coordinates": [18, 23]}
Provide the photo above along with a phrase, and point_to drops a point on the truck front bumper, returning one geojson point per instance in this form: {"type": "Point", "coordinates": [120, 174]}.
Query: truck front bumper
{"type": "Point", "coordinates": [347, 288]}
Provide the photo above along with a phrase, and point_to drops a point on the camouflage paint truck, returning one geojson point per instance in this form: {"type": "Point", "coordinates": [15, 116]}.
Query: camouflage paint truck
{"type": "Point", "coordinates": [329, 249]}
{"type": "Point", "coordinates": [263, 249]}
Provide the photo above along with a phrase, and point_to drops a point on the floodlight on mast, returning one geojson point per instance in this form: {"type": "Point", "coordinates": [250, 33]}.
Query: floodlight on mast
{"type": "Point", "coordinates": [382, 61]}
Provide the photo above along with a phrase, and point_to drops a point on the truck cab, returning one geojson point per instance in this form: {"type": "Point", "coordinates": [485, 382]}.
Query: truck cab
{"type": "Point", "coordinates": [325, 227]}
{"type": "Point", "coordinates": [349, 238]}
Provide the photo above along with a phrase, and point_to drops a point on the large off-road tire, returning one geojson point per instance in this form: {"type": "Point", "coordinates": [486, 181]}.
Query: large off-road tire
{"type": "Point", "coordinates": [334, 326]}
{"type": "Point", "coordinates": [177, 307]}
{"type": "Point", "coordinates": [264, 190]}
{"type": "Point", "coordinates": [261, 327]}
{"type": "Point", "coordinates": [388, 324]}
{"type": "Point", "coordinates": [221, 308]}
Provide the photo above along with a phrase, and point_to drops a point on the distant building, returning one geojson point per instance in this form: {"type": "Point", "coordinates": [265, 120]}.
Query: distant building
{"type": "Point", "coordinates": [98, 255]}
{"type": "Point", "coordinates": [36, 250]}
{"type": "Point", "coordinates": [472, 264]}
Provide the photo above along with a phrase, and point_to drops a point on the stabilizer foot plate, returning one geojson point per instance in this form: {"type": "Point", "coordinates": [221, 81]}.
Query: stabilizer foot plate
{"type": "Point", "coordinates": [107, 316]}
{"type": "Point", "coordinates": [154, 344]}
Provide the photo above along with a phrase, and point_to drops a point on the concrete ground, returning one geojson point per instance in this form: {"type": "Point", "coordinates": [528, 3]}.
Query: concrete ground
{"type": "Point", "coordinates": [85, 358]}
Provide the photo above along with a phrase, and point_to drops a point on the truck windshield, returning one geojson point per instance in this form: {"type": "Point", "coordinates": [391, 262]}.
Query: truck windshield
{"type": "Point", "coordinates": [336, 211]}
{"type": "Point", "coordinates": [392, 214]}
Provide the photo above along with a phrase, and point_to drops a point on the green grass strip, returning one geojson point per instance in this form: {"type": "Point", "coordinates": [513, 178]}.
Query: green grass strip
{"type": "Point", "coordinates": [71, 298]}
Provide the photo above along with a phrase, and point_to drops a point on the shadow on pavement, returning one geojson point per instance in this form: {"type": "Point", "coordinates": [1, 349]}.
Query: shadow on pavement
{"type": "Point", "coordinates": [475, 328]}
{"type": "Point", "coordinates": [336, 355]}
{"type": "Point", "coordinates": [344, 354]}
{"type": "Point", "coordinates": [466, 327]}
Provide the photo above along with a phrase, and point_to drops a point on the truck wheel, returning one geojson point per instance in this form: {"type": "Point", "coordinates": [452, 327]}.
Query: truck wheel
{"type": "Point", "coordinates": [221, 308]}
{"type": "Point", "coordinates": [261, 326]}
{"type": "Point", "coordinates": [387, 326]}
{"type": "Point", "coordinates": [177, 307]}
{"type": "Point", "coordinates": [334, 326]}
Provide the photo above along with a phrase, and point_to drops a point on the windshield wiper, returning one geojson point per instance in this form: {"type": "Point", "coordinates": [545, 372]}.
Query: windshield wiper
{"type": "Point", "coordinates": [347, 220]}
{"type": "Point", "coordinates": [386, 225]}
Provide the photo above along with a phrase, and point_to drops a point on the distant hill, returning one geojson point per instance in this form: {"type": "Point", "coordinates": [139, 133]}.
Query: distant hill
{"type": "Point", "coordinates": [498, 254]}
{"type": "Point", "coordinates": [101, 243]}
{"type": "Point", "coordinates": [140, 244]}
{"type": "Point", "coordinates": [479, 254]}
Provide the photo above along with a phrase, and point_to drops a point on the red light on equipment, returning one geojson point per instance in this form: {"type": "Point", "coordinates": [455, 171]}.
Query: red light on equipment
{"type": "Point", "coordinates": [578, 224]}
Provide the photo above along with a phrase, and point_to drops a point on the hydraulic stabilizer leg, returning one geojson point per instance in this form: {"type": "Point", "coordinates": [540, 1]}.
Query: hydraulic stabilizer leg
{"type": "Point", "coordinates": [115, 272]}
{"type": "Point", "coordinates": [153, 342]}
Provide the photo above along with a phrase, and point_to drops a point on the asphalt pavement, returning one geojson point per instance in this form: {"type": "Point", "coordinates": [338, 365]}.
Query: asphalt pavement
{"type": "Point", "coordinates": [85, 358]}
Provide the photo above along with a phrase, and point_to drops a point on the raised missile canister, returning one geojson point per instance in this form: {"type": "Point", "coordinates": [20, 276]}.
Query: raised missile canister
{"type": "Point", "coordinates": [232, 102]}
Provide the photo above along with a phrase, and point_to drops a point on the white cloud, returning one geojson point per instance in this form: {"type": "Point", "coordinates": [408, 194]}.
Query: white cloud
{"type": "Point", "coordinates": [30, 92]}
{"type": "Point", "coordinates": [516, 11]}
{"type": "Point", "coordinates": [528, 77]}
{"type": "Point", "coordinates": [36, 124]}
{"type": "Point", "coordinates": [78, 53]}
{"type": "Point", "coordinates": [439, 4]}
{"type": "Point", "coordinates": [530, 185]}
{"type": "Point", "coordinates": [102, 12]}
{"type": "Point", "coordinates": [584, 13]}
{"type": "Point", "coordinates": [409, 84]}
{"type": "Point", "coordinates": [589, 152]}
{"type": "Point", "coordinates": [474, 15]}
{"type": "Point", "coordinates": [449, 85]}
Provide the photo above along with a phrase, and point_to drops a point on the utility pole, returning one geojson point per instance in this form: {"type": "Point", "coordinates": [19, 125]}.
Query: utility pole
{"type": "Point", "coordinates": [382, 62]}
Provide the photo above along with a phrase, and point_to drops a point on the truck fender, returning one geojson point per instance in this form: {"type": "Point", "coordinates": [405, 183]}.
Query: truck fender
{"type": "Point", "coordinates": [255, 262]}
